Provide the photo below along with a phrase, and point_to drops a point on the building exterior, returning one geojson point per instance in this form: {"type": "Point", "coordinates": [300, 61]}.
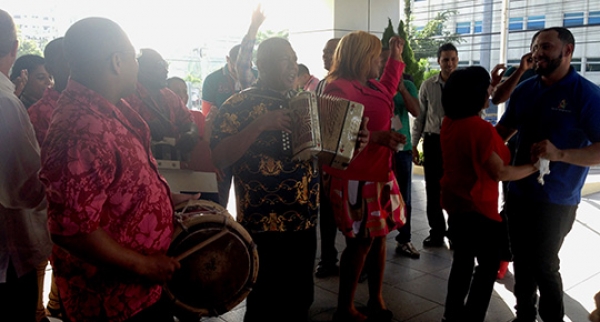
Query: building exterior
{"type": "Point", "coordinates": [479, 23]}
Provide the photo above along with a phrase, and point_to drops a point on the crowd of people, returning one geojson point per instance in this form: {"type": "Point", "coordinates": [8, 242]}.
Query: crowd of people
{"type": "Point", "coordinates": [81, 188]}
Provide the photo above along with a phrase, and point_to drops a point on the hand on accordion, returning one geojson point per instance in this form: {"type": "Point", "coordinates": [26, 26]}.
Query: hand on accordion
{"type": "Point", "coordinates": [276, 120]}
{"type": "Point", "coordinates": [363, 136]}
{"type": "Point", "coordinates": [390, 139]}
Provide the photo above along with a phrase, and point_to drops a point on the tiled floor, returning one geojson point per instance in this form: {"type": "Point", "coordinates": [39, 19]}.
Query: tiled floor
{"type": "Point", "coordinates": [415, 289]}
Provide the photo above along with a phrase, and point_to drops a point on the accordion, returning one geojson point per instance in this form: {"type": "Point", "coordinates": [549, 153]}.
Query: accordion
{"type": "Point", "coordinates": [323, 126]}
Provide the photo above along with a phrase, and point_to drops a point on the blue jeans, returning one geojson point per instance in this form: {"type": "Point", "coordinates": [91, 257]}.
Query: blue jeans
{"type": "Point", "coordinates": [403, 172]}
{"type": "Point", "coordinates": [537, 231]}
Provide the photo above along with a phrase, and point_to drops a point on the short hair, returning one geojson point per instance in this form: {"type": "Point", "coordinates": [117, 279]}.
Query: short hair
{"type": "Point", "coordinates": [465, 92]}
{"type": "Point", "coordinates": [268, 48]}
{"type": "Point", "coordinates": [147, 58]}
{"type": "Point", "coordinates": [233, 53]}
{"type": "Point", "coordinates": [564, 34]}
{"type": "Point", "coordinates": [89, 41]}
{"type": "Point", "coordinates": [303, 70]}
{"type": "Point", "coordinates": [8, 33]}
{"type": "Point", "coordinates": [28, 62]}
{"type": "Point", "coordinates": [353, 56]}
{"type": "Point", "coordinates": [446, 47]}
{"type": "Point", "coordinates": [175, 79]}
{"type": "Point", "coordinates": [54, 51]}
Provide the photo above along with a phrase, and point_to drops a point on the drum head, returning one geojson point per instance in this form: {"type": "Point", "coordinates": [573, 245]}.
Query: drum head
{"type": "Point", "coordinates": [217, 277]}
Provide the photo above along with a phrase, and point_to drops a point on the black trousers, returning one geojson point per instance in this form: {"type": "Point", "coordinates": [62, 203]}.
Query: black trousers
{"type": "Point", "coordinates": [19, 296]}
{"type": "Point", "coordinates": [537, 231]}
{"type": "Point", "coordinates": [474, 236]}
{"type": "Point", "coordinates": [434, 171]}
{"type": "Point", "coordinates": [284, 290]}
{"type": "Point", "coordinates": [403, 172]}
{"type": "Point", "coordinates": [328, 229]}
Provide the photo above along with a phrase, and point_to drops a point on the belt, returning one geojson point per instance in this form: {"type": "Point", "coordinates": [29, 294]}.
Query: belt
{"type": "Point", "coordinates": [431, 134]}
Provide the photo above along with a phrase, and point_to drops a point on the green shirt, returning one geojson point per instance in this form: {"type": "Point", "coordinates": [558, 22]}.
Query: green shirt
{"type": "Point", "coordinates": [401, 111]}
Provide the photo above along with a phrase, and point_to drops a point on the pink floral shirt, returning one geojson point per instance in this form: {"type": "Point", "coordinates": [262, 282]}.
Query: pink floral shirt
{"type": "Point", "coordinates": [177, 116]}
{"type": "Point", "coordinates": [40, 113]}
{"type": "Point", "coordinates": [99, 173]}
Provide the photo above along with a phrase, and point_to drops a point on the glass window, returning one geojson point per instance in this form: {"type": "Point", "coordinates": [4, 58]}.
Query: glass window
{"type": "Point", "coordinates": [573, 19]}
{"type": "Point", "coordinates": [576, 63]}
{"type": "Point", "coordinates": [419, 28]}
{"type": "Point", "coordinates": [476, 62]}
{"type": "Point", "coordinates": [478, 27]}
{"type": "Point", "coordinates": [594, 18]}
{"type": "Point", "coordinates": [515, 24]}
{"type": "Point", "coordinates": [463, 27]}
{"type": "Point", "coordinates": [593, 65]}
{"type": "Point", "coordinates": [536, 22]}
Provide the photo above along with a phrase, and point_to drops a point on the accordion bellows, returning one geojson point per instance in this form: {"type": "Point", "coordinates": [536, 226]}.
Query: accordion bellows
{"type": "Point", "coordinates": [324, 126]}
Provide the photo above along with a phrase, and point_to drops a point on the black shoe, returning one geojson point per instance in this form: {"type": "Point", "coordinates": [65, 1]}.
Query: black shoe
{"type": "Point", "coordinates": [327, 270]}
{"type": "Point", "coordinates": [408, 250]}
{"type": "Point", "coordinates": [433, 241]}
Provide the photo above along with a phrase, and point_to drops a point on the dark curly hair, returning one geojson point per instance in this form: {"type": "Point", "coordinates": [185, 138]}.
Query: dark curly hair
{"type": "Point", "coordinates": [465, 92]}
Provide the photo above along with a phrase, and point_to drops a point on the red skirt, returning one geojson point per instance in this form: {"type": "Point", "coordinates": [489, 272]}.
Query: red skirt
{"type": "Point", "coordinates": [365, 208]}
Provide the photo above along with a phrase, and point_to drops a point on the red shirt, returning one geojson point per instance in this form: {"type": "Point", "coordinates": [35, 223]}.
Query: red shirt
{"type": "Point", "coordinates": [99, 173]}
{"type": "Point", "coordinates": [200, 157]}
{"type": "Point", "coordinates": [167, 103]}
{"type": "Point", "coordinates": [375, 162]}
{"type": "Point", "coordinates": [40, 113]}
{"type": "Point", "coordinates": [466, 186]}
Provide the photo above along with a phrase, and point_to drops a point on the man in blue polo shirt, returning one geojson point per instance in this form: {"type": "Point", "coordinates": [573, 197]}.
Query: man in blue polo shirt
{"type": "Point", "coordinates": [555, 116]}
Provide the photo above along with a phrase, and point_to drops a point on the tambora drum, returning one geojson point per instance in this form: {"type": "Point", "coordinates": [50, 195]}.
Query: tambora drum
{"type": "Point", "coordinates": [219, 261]}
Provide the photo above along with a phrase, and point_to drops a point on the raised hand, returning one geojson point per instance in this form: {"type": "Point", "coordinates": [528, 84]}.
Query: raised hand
{"type": "Point", "coordinates": [258, 17]}
{"type": "Point", "coordinates": [526, 62]}
{"type": "Point", "coordinates": [497, 73]}
{"type": "Point", "coordinates": [20, 82]}
{"type": "Point", "coordinates": [396, 48]}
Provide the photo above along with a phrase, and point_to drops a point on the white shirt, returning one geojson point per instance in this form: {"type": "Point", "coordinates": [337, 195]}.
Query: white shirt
{"type": "Point", "coordinates": [432, 113]}
{"type": "Point", "coordinates": [24, 237]}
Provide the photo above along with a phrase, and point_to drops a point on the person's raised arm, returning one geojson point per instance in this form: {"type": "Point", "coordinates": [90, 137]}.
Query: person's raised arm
{"type": "Point", "coordinates": [391, 74]}
{"type": "Point", "coordinates": [503, 90]}
{"type": "Point", "coordinates": [243, 64]}
{"type": "Point", "coordinates": [410, 101]}
{"type": "Point", "coordinates": [232, 148]}
{"type": "Point", "coordinates": [504, 132]}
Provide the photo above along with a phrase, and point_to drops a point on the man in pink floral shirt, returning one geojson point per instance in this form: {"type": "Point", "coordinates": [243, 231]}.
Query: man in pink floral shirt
{"type": "Point", "coordinates": [110, 214]}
